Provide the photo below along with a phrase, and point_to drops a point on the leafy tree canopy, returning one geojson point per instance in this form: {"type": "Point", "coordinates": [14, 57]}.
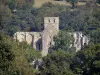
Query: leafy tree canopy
{"type": "Point", "coordinates": [57, 63]}
{"type": "Point", "coordinates": [87, 62]}
{"type": "Point", "coordinates": [63, 41]}
{"type": "Point", "coordinates": [15, 58]}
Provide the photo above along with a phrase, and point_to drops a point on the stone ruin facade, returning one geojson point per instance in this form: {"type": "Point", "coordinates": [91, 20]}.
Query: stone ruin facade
{"type": "Point", "coordinates": [43, 40]}
{"type": "Point", "coordinates": [80, 40]}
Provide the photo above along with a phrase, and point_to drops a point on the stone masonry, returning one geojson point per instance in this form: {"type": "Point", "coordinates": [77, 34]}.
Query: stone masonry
{"type": "Point", "coordinates": [43, 40]}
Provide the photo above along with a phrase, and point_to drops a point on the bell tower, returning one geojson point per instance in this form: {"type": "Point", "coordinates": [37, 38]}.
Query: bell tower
{"type": "Point", "coordinates": [51, 29]}
{"type": "Point", "coordinates": [51, 22]}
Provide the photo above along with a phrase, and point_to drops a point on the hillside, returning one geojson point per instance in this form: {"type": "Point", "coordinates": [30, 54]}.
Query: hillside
{"type": "Point", "coordinates": [39, 3]}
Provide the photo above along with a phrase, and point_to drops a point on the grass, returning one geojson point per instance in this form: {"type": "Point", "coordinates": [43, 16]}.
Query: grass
{"type": "Point", "coordinates": [39, 3]}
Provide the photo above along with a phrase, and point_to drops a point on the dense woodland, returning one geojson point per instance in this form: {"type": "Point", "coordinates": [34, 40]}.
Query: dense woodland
{"type": "Point", "coordinates": [21, 15]}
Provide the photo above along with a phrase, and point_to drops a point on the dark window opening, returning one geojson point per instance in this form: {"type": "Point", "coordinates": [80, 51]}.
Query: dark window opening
{"type": "Point", "coordinates": [39, 44]}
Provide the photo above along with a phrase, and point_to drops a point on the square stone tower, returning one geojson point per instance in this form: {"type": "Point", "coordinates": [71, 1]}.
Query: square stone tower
{"type": "Point", "coordinates": [41, 40]}
{"type": "Point", "coordinates": [51, 29]}
{"type": "Point", "coordinates": [51, 22]}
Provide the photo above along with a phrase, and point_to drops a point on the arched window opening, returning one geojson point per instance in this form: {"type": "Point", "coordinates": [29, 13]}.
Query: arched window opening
{"type": "Point", "coordinates": [54, 20]}
{"type": "Point", "coordinates": [39, 44]}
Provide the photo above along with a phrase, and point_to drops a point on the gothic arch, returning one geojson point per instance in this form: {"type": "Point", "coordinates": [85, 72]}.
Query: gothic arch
{"type": "Point", "coordinates": [49, 20]}
{"type": "Point", "coordinates": [28, 38]}
{"type": "Point", "coordinates": [22, 37]}
{"type": "Point", "coordinates": [39, 44]}
{"type": "Point", "coordinates": [54, 20]}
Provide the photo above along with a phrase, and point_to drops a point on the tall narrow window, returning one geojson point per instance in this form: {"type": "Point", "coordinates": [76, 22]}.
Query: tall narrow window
{"type": "Point", "coordinates": [39, 44]}
{"type": "Point", "coordinates": [49, 20]}
{"type": "Point", "coordinates": [54, 20]}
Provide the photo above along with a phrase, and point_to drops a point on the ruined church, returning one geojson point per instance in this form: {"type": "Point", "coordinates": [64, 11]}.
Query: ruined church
{"type": "Point", "coordinates": [43, 40]}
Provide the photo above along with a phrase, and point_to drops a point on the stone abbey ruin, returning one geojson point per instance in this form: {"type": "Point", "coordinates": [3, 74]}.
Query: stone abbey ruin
{"type": "Point", "coordinates": [43, 40]}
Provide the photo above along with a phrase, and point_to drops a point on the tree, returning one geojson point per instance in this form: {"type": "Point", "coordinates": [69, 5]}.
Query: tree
{"type": "Point", "coordinates": [6, 57]}
{"type": "Point", "coordinates": [30, 53]}
{"type": "Point", "coordinates": [57, 63]}
{"type": "Point", "coordinates": [98, 1]}
{"type": "Point", "coordinates": [24, 4]}
{"type": "Point", "coordinates": [15, 58]}
{"type": "Point", "coordinates": [95, 36]}
{"type": "Point", "coordinates": [73, 2]}
{"type": "Point", "coordinates": [63, 41]}
{"type": "Point", "coordinates": [4, 13]}
{"type": "Point", "coordinates": [12, 4]}
{"type": "Point", "coordinates": [87, 62]}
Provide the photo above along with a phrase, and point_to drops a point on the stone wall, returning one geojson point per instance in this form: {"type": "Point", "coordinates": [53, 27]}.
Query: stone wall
{"type": "Point", "coordinates": [51, 28]}
{"type": "Point", "coordinates": [43, 40]}
{"type": "Point", "coordinates": [32, 38]}
{"type": "Point", "coordinates": [80, 40]}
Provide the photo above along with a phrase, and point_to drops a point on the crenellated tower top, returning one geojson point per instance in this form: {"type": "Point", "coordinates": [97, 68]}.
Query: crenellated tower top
{"type": "Point", "coordinates": [51, 22]}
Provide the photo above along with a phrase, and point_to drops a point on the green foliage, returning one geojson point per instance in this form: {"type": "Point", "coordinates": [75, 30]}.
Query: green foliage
{"type": "Point", "coordinates": [95, 36]}
{"type": "Point", "coordinates": [18, 22]}
{"type": "Point", "coordinates": [63, 41]}
{"type": "Point", "coordinates": [87, 62]}
{"type": "Point", "coordinates": [6, 57]}
{"type": "Point", "coordinates": [73, 3]}
{"type": "Point", "coordinates": [73, 21]}
{"type": "Point", "coordinates": [84, 20]}
{"type": "Point", "coordinates": [67, 0]}
{"type": "Point", "coordinates": [98, 1]}
{"type": "Point", "coordinates": [15, 57]}
{"type": "Point", "coordinates": [21, 4]}
{"type": "Point", "coordinates": [4, 12]}
{"type": "Point", "coordinates": [57, 63]}
{"type": "Point", "coordinates": [30, 53]}
{"type": "Point", "coordinates": [12, 18]}
{"type": "Point", "coordinates": [96, 13]}
{"type": "Point", "coordinates": [12, 4]}
{"type": "Point", "coordinates": [45, 11]}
